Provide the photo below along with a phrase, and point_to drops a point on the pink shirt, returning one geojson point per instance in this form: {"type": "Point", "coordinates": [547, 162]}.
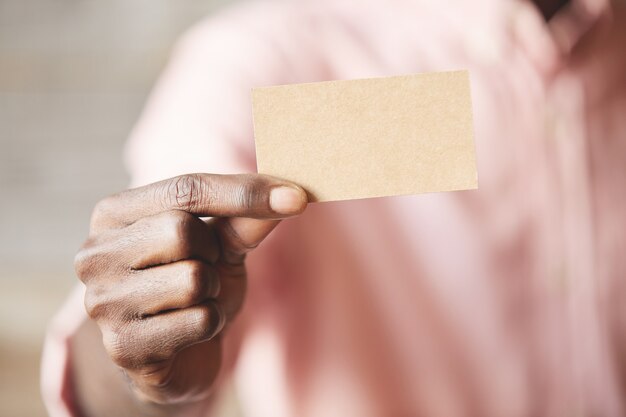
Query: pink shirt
{"type": "Point", "coordinates": [506, 301]}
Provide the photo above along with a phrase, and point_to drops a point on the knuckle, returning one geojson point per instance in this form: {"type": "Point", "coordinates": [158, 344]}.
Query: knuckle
{"type": "Point", "coordinates": [247, 193]}
{"type": "Point", "coordinates": [87, 261]}
{"type": "Point", "coordinates": [83, 265]}
{"type": "Point", "coordinates": [102, 303]}
{"type": "Point", "coordinates": [95, 304]}
{"type": "Point", "coordinates": [196, 282]}
{"type": "Point", "coordinates": [128, 347]}
{"type": "Point", "coordinates": [137, 345]}
{"type": "Point", "coordinates": [178, 232]}
{"type": "Point", "coordinates": [203, 322]}
{"type": "Point", "coordinates": [207, 321]}
{"type": "Point", "coordinates": [181, 225]}
{"type": "Point", "coordinates": [185, 192]}
{"type": "Point", "coordinates": [101, 212]}
{"type": "Point", "coordinates": [119, 346]}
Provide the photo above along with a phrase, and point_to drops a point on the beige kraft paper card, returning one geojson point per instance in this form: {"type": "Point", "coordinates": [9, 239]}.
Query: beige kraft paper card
{"type": "Point", "coordinates": [368, 138]}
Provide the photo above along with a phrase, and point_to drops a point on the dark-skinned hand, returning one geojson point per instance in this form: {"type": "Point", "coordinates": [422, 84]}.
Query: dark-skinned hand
{"type": "Point", "coordinates": [162, 280]}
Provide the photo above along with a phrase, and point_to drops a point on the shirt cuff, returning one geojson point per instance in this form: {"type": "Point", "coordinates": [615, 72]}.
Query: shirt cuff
{"type": "Point", "coordinates": [56, 377]}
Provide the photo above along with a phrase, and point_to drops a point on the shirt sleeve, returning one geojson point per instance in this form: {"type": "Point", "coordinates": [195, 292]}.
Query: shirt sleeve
{"type": "Point", "coordinates": [56, 384]}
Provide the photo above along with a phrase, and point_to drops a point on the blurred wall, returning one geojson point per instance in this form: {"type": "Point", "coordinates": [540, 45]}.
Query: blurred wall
{"type": "Point", "coordinates": [74, 75]}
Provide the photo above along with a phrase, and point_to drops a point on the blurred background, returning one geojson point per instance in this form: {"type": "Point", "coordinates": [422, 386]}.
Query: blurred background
{"type": "Point", "coordinates": [74, 75]}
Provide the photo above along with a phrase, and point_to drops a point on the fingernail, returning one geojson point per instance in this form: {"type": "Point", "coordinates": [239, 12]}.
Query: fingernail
{"type": "Point", "coordinates": [286, 200]}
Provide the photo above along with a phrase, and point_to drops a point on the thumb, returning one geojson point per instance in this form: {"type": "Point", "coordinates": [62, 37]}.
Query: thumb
{"type": "Point", "coordinates": [239, 235]}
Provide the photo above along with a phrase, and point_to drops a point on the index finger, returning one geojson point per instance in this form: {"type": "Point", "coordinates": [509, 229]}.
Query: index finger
{"type": "Point", "coordinates": [204, 195]}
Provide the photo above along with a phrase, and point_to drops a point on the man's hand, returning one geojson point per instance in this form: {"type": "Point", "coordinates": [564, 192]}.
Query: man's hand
{"type": "Point", "coordinates": [162, 282]}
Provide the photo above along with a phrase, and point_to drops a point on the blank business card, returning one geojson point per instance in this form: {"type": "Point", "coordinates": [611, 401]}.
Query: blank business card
{"type": "Point", "coordinates": [368, 138]}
